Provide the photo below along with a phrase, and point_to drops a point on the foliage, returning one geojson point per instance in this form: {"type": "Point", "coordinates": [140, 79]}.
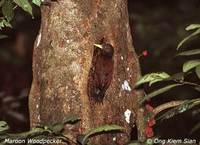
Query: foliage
{"type": "Point", "coordinates": [37, 2]}
{"type": "Point", "coordinates": [8, 7]}
{"type": "Point", "coordinates": [195, 27]}
{"type": "Point", "coordinates": [152, 78]}
{"type": "Point", "coordinates": [55, 131]}
{"type": "Point", "coordinates": [3, 126]}
{"type": "Point", "coordinates": [83, 139]}
{"type": "Point", "coordinates": [41, 131]}
{"type": "Point", "coordinates": [180, 109]}
{"type": "Point", "coordinates": [191, 67]}
{"type": "Point", "coordinates": [177, 80]}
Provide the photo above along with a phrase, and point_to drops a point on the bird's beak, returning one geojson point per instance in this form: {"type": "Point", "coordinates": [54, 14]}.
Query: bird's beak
{"type": "Point", "coordinates": [99, 46]}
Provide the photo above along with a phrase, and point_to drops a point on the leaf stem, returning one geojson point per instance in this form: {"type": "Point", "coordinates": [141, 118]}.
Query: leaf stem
{"type": "Point", "coordinates": [167, 105]}
{"type": "Point", "coordinates": [187, 83]}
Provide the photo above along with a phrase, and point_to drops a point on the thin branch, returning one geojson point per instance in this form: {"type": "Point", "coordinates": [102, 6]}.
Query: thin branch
{"type": "Point", "coordinates": [167, 106]}
{"type": "Point", "coordinates": [190, 83]}
{"type": "Point", "coordinates": [187, 83]}
{"type": "Point", "coordinates": [15, 7]}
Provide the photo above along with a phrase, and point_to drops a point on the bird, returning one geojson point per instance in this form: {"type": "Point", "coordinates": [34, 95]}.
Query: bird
{"type": "Point", "coordinates": [101, 71]}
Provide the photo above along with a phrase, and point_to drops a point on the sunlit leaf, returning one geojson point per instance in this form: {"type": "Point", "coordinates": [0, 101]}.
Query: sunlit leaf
{"type": "Point", "coordinates": [190, 65]}
{"type": "Point", "coordinates": [152, 78]}
{"type": "Point", "coordinates": [25, 5]}
{"type": "Point", "coordinates": [83, 139]}
{"type": "Point", "coordinates": [189, 52]}
{"type": "Point", "coordinates": [188, 37]}
{"type": "Point", "coordinates": [7, 24]}
{"type": "Point", "coordinates": [192, 27]}
{"type": "Point", "coordinates": [7, 10]}
{"type": "Point", "coordinates": [4, 23]}
{"type": "Point", "coordinates": [158, 92]}
{"type": "Point", "coordinates": [197, 70]}
{"type": "Point", "coordinates": [155, 81]}
{"type": "Point", "coordinates": [3, 126]}
{"type": "Point", "coordinates": [37, 2]}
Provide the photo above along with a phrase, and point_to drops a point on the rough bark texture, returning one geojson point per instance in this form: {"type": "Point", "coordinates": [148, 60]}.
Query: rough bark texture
{"type": "Point", "coordinates": [62, 59]}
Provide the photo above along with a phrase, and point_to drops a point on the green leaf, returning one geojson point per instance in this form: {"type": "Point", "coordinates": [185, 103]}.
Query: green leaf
{"type": "Point", "coordinates": [189, 52]}
{"type": "Point", "coordinates": [152, 78]}
{"type": "Point", "coordinates": [7, 10]}
{"type": "Point", "coordinates": [192, 27]}
{"type": "Point", "coordinates": [3, 126]}
{"type": "Point", "coordinates": [197, 70]}
{"type": "Point", "coordinates": [83, 139]}
{"type": "Point", "coordinates": [37, 2]}
{"type": "Point", "coordinates": [187, 66]}
{"type": "Point", "coordinates": [155, 81]}
{"type": "Point", "coordinates": [71, 119]}
{"type": "Point", "coordinates": [188, 37]}
{"type": "Point", "coordinates": [4, 23]}
{"type": "Point", "coordinates": [7, 24]}
{"type": "Point", "coordinates": [158, 92]}
{"type": "Point", "coordinates": [25, 5]}
{"type": "Point", "coordinates": [180, 109]}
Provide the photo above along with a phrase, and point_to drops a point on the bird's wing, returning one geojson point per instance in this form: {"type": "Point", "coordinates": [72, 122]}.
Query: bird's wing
{"type": "Point", "coordinates": [92, 78]}
{"type": "Point", "coordinates": [107, 76]}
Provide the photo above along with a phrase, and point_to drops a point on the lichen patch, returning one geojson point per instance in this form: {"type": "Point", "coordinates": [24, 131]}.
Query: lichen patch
{"type": "Point", "coordinates": [126, 86]}
{"type": "Point", "coordinates": [127, 115]}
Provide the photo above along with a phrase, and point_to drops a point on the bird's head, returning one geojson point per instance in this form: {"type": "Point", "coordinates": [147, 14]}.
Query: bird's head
{"type": "Point", "coordinates": [107, 49]}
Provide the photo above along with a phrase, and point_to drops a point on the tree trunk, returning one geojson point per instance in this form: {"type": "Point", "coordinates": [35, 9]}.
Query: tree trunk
{"type": "Point", "coordinates": [62, 59]}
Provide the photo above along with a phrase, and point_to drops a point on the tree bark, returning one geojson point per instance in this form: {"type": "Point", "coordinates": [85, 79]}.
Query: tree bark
{"type": "Point", "coordinates": [62, 59]}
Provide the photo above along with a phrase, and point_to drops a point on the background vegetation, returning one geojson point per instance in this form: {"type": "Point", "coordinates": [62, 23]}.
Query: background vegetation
{"type": "Point", "coordinates": [157, 26]}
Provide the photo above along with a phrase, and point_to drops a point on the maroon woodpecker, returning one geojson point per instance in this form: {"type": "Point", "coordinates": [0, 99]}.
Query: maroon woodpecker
{"type": "Point", "coordinates": [101, 71]}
